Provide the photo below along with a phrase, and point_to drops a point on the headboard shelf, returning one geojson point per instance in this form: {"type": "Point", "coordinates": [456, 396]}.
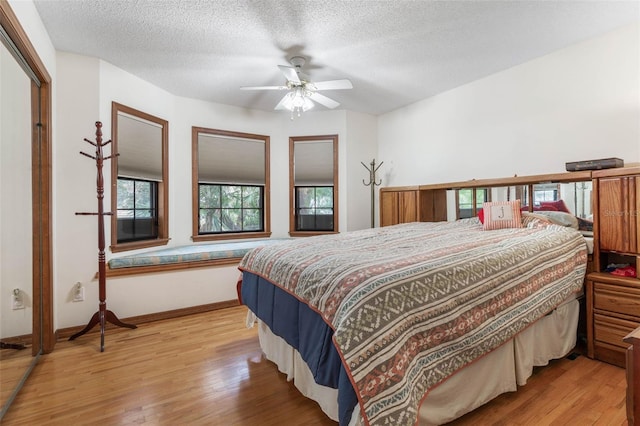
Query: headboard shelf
{"type": "Point", "coordinates": [622, 171]}
{"type": "Point", "coordinates": [511, 181]}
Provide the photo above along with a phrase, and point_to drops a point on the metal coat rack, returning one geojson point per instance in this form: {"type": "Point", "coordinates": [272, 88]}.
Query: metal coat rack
{"type": "Point", "coordinates": [103, 315]}
{"type": "Point", "coordinates": [372, 182]}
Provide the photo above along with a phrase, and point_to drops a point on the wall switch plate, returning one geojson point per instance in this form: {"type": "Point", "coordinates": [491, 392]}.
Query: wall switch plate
{"type": "Point", "coordinates": [78, 293]}
{"type": "Point", "coordinates": [17, 302]}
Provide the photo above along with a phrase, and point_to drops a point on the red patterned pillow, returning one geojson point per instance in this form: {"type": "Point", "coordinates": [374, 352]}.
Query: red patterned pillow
{"type": "Point", "coordinates": [481, 216]}
{"type": "Point", "coordinates": [501, 214]}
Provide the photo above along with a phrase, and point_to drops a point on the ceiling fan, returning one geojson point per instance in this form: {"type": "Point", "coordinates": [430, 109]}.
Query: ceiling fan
{"type": "Point", "coordinates": [302, 91]}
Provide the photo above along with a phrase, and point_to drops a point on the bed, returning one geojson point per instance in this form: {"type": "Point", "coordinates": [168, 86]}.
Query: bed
{"type": "Point", "coordinates": [395, 325]}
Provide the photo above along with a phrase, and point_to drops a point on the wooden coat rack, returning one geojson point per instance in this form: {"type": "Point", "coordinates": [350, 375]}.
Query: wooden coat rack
{"type": "Point", "coordinates": [103, 315]}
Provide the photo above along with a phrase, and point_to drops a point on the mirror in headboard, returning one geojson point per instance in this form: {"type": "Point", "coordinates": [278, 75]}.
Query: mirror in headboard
{"type": "Point", "coordinates": [470, 200]}
{"type": "Point", "coordinates": [564, 192]}
{"type": "Point", "coordinates": [570, 197]}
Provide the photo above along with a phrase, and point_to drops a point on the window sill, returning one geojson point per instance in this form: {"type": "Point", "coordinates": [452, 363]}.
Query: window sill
{"type": "Point", "coordinates": [135, 270]}
{"type": "Point", "coordinates": [138, 245]}
{"type": "Point", "coordinates": [310, 233]}
{"type": "Point", "coordinates": [218, 237]}
{"type": "Point", "coordinates": [184, 257]}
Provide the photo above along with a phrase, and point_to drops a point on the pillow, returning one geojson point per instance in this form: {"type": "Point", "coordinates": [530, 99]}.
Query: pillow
{"type": "Point", "coordinates": [535, 220]}
{"type": "Point", "coordinates": [501, 214]}
{"type": "Point", "coordinates": [560, 218]}
{"type": "Point", "coordinates": [545, 208]}
{"type": "Point", "coordinates": [554, 205]}
{"type": "Point", "coordinates": [481, 216]}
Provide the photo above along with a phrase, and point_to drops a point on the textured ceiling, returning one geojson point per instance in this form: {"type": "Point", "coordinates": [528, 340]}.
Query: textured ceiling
{"type": "Point", "coordinates": [394, 52]}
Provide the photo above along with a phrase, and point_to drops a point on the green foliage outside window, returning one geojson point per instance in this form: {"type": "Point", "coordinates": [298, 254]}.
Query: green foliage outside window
{"type": "Point", "coordinates": [135, 198]}
{"type": "Point", "coordinates": [230, 208]}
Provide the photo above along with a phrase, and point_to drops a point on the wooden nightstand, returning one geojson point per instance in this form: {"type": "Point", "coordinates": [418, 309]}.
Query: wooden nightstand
{"type": "Point", "coordinates": [613, 311]}
{"type": "Point", "coordinates": [633, 377]}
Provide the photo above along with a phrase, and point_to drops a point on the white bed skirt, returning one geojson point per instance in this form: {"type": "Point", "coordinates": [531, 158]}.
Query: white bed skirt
{"type": "Point", "coordinates": [498, 372]}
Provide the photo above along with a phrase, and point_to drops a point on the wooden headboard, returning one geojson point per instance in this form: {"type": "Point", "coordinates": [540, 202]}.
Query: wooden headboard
{"type": "Point", "coordinates": [429, 202]}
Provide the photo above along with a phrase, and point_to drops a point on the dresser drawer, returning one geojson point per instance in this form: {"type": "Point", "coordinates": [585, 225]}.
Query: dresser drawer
{"type": "Point", "coordinates": [612, 330]}
{"type": "Point", "coordinates": [617, 299]}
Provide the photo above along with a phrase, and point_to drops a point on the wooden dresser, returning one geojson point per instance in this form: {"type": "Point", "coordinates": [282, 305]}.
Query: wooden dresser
{"type": "Point", "coordinates": [633, 377]}
{"type": "Point", "coordinates": [613, 302]}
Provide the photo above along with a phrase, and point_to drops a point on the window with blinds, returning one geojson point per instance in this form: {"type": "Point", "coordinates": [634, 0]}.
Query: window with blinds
{"type": "Point", "coordinates": [231, 184]}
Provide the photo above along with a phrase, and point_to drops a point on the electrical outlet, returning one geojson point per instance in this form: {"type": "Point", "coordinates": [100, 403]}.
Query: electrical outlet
{"type": "Point", "coordinates": [17, 301]}
{"type": "Point", "coordinates": [78, 293]}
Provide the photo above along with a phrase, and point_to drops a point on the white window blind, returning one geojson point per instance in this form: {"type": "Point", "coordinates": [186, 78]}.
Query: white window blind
{"type": "Point", "coordinates": [230, 160]}
{"type": "Point", "coordinates": [313, 163]}
{"type": "Point", "coordinates": [140, 148]}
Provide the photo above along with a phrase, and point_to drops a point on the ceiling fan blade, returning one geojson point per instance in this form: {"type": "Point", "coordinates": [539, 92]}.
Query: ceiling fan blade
{"type": "Point", "coordinates": [323, 100]}
{"type": "Point", "coordinates": [290, 74]}
{"type": "Point", "coordinates": [332, 85]}
{"type": "Point", "coordinates": [282, 102]}
{"type": "Point", "coordinates": [263, 88]}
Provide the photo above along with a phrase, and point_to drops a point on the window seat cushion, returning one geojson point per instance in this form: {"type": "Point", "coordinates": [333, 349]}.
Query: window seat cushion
{"type": "Point", "coordinates": [190, 253]}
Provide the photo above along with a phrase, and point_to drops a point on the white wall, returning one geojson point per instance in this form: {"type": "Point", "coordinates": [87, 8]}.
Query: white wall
{"type": "Point", "coordinates": [362, 147]}
{"type": "Point", "coordinates": [75, 239]}
{"type": "Point", "coordinates": [579, 103]}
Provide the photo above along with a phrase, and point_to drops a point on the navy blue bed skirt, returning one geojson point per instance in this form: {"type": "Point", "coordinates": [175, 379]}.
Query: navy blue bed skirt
{"type": "Point", "coordinates": [306, 331]}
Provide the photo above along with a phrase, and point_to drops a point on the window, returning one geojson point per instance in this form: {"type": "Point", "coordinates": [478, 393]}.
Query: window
{"type": "Point", "coordinates": [230, 208]}
{"type": "Point", "coordinates": [231, 185]}
{"type": "Point", "coordinates": [313, 185]}
{"type": "Point", "coordinates": [137, 210]}
{"type": "Point", "coordinates": [314, 208]}
{"type": "Point", "coordinates": [469, 201]}
{"type": "Point", "coordinates": [139, 174]}
{"type": "Point", "coordinates": [545, 192]}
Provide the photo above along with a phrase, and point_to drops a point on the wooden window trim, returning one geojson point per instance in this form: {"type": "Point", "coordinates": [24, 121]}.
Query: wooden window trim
{"type": "Point", "coordinates": [292, 207]}
{"type": "Point", "coordinates": [163, 187]}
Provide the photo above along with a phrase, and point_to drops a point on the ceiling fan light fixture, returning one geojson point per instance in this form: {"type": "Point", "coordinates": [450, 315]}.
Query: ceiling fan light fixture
{"type": "Point", "coordinates": [297, 101]}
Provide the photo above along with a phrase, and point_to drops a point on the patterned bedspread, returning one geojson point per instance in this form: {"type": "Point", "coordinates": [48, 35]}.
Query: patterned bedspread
{"type": "Point", "coordinates": [411, 304]}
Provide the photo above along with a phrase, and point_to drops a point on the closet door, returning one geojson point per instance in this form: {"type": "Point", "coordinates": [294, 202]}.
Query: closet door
{"type": "Point", "coordinates": [16, 218]}
{"type": "Point", "coordinates": [26, 316]}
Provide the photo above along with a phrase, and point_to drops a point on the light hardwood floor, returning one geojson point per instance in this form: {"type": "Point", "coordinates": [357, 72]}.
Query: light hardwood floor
{"type": "Point", "coordinates": [207, 369]}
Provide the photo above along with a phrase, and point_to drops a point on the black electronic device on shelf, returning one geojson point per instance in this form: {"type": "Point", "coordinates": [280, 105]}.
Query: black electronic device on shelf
{"type": "Point", "coordinates": [603, 163]}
